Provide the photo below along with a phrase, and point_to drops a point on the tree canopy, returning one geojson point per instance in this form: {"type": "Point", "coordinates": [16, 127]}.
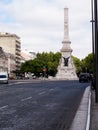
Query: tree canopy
{"type": "Point", "coordinates": [87, 64]}
{"type": "Point", "coordinates": [77, 63]}
{"type": "Point", "coordinates": [49, 61]}
{"type": "Point", "coordinates": [84, 65]}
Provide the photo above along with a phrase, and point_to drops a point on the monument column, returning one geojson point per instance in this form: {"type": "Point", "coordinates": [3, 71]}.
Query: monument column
{"type": "Point", "coordinates": [66, 69]}
{"type": "Point", "coordinates": [66, 49]}
{"type": "Point", "coordinates": [66, 28]}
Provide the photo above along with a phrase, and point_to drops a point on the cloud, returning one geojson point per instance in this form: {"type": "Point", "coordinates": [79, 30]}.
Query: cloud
{"type": "Point", "coordinates": [40, 24]}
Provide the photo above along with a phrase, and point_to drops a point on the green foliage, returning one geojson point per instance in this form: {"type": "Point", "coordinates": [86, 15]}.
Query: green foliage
{"type": "Point", "coordinates": [77, 64]}
{"type": "Point", "coordinates": [84, 65]}
{"type": "Point", "coordinates": [50, 62]}
{"type": "Point", "coordinates": [87, 63]}
{"type": "Point", "coordinates": [46, 60]}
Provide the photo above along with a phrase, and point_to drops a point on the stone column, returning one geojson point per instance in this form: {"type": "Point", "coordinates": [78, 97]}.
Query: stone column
{"type": "Point", "coordinates": [66, 27]}
{"type": "Point", "coordinates": [66, 49]}
{"type": "Point", "coordinates": [66, 70]}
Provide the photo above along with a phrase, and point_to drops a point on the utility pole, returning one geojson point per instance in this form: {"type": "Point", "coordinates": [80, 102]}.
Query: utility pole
{"type": "Point", "coordinates": [96, 47]}
{"type": "Point", "coordinates": [95, 43]}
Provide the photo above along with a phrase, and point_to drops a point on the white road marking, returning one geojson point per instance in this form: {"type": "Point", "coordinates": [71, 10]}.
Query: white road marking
{"type": "Point", "coordinates": [17, 83]}
{"type": "Point", "coordinates": [28, 98]}
{"type": "Point", "coordinates": [41, 93]}
{"type": "Point", "coordinates": [3, 107]}
{"type": "Point", "coordinates": [51, 89]}
{"type": "Point", "coordinates": [26, 82]}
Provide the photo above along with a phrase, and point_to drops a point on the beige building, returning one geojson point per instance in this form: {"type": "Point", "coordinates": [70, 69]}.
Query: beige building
{"type": "Point", "coordinates": [11, 44]}
{"type": "Point", "coordinates": [3, 61]}
{"type": "Point", "coordinates": [7, 62]}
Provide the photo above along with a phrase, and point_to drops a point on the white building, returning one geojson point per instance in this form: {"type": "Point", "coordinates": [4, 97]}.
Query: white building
{"type": "Point", "coordinates": [7, 62]}
{"type": "Point", "coordinates": [27, 55]}
{"type": "Point", "coordinates": [3, 61]}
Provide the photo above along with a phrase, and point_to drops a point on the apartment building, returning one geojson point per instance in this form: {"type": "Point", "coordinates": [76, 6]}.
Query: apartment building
{"type": "Point", "coordinates": [7, 62]}
{"type": "Point", "coordinates": [11, 44]}
{"type": "Point", "coordinates": [3, 61]}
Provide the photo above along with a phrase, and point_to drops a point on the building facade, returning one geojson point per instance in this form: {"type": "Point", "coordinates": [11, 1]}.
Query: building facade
{"type": "Point", "coordinates": [27, 55]}
{"type": "Point", "coordinates": [7, 62]}
{"type": "Point", "coordinates": [3, 61]}
{"type": "Point", "coordinates": [11, 44]}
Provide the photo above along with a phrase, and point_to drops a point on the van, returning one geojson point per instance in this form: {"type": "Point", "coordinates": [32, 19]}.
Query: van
{"type": "Point", "coordinates": [4, 77]}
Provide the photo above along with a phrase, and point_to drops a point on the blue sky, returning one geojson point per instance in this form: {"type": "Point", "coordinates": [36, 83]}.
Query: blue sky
{"type": "Point", "coordinates": [6, 1]}
{"type": "Point", "coordinates": [40, 24]}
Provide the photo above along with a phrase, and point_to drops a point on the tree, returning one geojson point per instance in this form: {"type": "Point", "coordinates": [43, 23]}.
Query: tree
{"type": "Point", "coordinates": [87, 63]}
{"type": "Point", "coordinates": [84, 65]}
{"type": "Point", "coordinates": [77, 64]}
{"type": "Point", "coordinates": [49, 61]}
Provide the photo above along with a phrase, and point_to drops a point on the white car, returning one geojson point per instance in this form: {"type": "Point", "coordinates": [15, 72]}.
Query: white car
{"type": "Point", "coordinates": [3, 77]}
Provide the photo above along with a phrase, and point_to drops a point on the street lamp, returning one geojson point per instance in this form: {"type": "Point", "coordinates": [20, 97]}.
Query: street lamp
{"type": "Point", "coordinates": [95, 43]}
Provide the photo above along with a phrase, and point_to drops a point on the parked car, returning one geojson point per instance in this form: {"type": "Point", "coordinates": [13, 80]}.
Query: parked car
{"type": "Point", "coordinates": [3, 77]}
{"type": "Point", "coordinates": [84, 77]}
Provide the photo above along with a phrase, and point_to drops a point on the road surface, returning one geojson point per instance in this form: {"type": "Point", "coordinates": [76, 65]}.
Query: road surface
{"type": "Point", "coordinates": [39, 105]}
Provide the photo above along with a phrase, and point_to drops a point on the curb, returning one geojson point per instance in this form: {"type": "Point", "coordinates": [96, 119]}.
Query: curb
{"type": "Point", "coordinates": [89, 111]}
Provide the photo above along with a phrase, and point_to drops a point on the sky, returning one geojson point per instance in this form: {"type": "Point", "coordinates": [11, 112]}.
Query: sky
{"type": "Point", "coordinates": [40, 24]}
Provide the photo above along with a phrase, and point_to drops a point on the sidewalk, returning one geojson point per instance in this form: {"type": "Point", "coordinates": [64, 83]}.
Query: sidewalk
{"type": "Point", "coordinates": [81, 120]}
{"type": "Point", "coordinates": [94, 112]}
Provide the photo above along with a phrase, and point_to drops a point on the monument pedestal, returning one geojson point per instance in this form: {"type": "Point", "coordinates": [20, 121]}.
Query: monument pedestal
{"type": "Point", "coordinates": [66, 72]}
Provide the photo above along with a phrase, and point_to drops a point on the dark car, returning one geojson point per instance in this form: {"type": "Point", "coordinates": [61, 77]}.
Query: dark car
{"type": "Point", "coordinates": [84, 77]}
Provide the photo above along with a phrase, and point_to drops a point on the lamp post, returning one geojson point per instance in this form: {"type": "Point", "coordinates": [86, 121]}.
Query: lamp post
{"type": "Point", "coordinates": [95, 43]}
{"type": "Point", "coordinates": [96, 49]}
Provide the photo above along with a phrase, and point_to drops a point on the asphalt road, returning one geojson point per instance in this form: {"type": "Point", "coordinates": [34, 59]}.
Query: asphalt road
{"type": "Point", "coordinates": [39, 105]}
